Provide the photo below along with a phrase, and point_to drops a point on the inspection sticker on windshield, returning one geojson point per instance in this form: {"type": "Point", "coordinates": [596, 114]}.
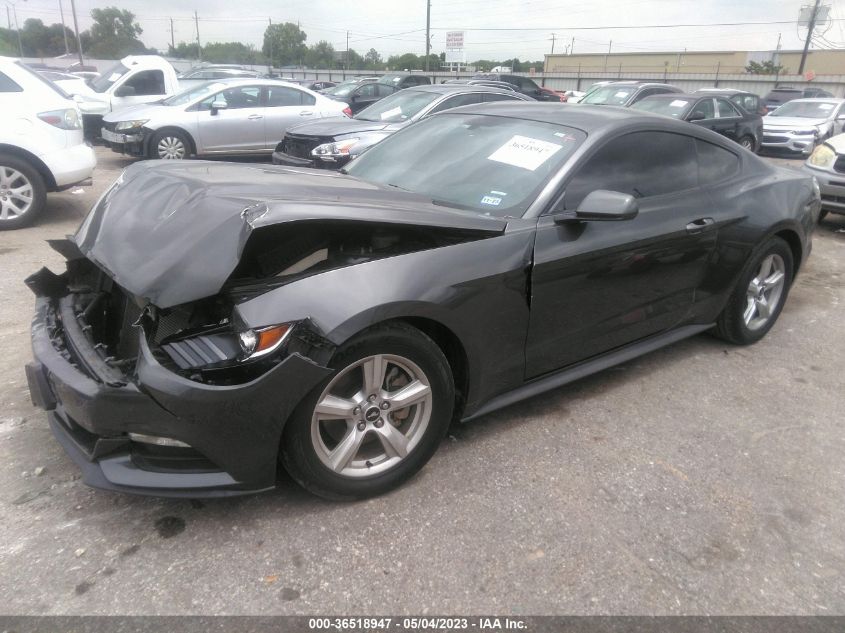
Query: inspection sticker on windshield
{"type": "Point", "coordinates": [678, 103]}
{"type": "Point", "coordinates": [525, 152]}
{"type": "Point", "coordinates": [388, 114]}
{"type": "Point", "coordinates": [491, 200]}
{"type": "Point", "coordinates": [825, 106]}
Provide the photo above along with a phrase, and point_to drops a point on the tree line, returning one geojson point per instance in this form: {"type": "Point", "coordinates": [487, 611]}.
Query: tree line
{"type": "Point", "coordinates": [116, 33]}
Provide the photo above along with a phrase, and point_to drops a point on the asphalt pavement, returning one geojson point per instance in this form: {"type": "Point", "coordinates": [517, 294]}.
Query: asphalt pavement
{"type": "Point", "coordinates": [700, 479]}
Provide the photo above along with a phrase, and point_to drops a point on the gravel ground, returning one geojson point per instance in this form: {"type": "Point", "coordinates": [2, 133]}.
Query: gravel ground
{"type": "Point", "coordinates": [700, 479]}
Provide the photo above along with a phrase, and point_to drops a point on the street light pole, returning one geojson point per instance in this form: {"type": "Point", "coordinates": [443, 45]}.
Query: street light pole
{"type": "Point", "coordinates": [810, 28]}
{"type": "Point", "coordinates": [64, 28]}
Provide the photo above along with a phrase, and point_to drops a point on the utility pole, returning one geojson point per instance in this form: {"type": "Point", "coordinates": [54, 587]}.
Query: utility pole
{"type": "Point", "coordinates": [64, 28]}
{"type": "Point", "coordinates": [9, 17]}
{"type": "Point", "coordinates": [172, 36]}
{"type": "Point", "coordinates": [270, 40]}
{"type": "Point", "coordinates": [810, 28]}
{"type": "Point", "coordinates": [346, 64]}
{"type": "Point", "coordinates": [427, 32]}
{"type": "Point", "coordinates": [17, 27]}
{"type": "Point", "coordinates": [572, 46]}
{"type": "Point", "coordinates": [609, 46]}
{"type": "Point", "coordinates": [553, 44]}
{"type": "Point", "coordinates": [199, 46]}
{"type": "Point", "coordinates": [76, 30]}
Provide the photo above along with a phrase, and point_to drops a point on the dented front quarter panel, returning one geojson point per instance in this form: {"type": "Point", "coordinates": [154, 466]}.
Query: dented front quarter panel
{"type": "Point", "coordinates": [477, 289]}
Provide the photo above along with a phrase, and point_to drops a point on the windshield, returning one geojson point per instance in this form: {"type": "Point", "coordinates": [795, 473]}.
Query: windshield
{"type": "Point", "coordinates": [192, 94]}
{"type": "Point", "coordinates": [490, 165]}
{"type": "Point", "coordinates": [390, 79]}
{"type": "Point", "coordinates": [806, 109]}
{"type": "Point", "coordinates": [44, 80]}
{"type": "Point", "coordinates": [670, 107]}
{"type": "Point", "coordinates": [398, 107]}
{"type": "Point", "coordinates": [107, 79]}
{"type": "Point", "coordinates": [609, 95]}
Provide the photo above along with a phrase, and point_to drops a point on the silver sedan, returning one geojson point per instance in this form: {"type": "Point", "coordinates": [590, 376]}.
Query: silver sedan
{"type": "Point", "coordinates": [238, 116]}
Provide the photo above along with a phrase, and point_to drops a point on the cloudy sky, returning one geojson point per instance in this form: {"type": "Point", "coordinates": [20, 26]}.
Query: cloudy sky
{"type": "Point", "coordinates": [398, 26]}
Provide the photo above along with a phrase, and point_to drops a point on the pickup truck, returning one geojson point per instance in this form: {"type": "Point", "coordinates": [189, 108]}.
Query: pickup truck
{"type": "Point", "coordinates": [133, 80]}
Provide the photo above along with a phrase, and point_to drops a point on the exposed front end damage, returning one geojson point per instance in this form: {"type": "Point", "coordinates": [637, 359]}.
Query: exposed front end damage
{"type": "Point", "coordinates": [153, 369]}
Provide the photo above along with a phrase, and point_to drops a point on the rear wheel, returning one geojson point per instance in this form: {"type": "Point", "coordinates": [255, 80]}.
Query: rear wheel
{"type": "Point", "coordinates": [376, 420]}
{"type": "Point", "coordinates": [758, 297]}
{"type": "Point", "coordinates": [170, 145]}
{"type": "Point", "coordinates": [23, 194]}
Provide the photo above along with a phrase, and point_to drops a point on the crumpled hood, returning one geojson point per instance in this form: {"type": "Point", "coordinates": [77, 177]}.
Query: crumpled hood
{"type": "Point", "coordinates": [139, 111]}
{"type": "Point", "coordinates": [173, 232]}
{"type": "Point", "coordinates": [337, 126]}
{"type": "Point", "coordinates": [790, 122]}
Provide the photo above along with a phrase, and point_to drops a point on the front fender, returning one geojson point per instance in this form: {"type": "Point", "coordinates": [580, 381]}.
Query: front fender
{"type": "Point", "coordinates": [478, 290]}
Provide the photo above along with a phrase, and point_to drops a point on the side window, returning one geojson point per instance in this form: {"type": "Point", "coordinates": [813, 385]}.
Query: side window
{"type": "Point", "coordinates": [527, 85]}
{"type": "Point", "coordinates": [384, 90]}
{"type": "Point", "coordinates": [280, 96]}
{"type": "Point", "coordinates": [367, 90]}
{"type": "Point", "coordinates": [7, 85]}
{"type": "Point", "coordinates": [715, 163]}
{"type": "Point", "coordinates": [725, 109]}
{"type": "Point", "coordinates": [705, 108]}
{"type": "Point", "coordinates": [458, 100]}
{"type": "Point", "coordinates": [645, 93]}
{"type": "Point", "coordinates": [235, 98]}
{"type": "Point", "coordinates": [619, 166]}
{"type": "Point", "coordinates": [147, 82]}
{"type": "Point", "coordinates": [491, 96]}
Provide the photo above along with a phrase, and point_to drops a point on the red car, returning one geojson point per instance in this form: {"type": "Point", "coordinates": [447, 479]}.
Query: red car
{"type": "Point", "coordinates": [557, 93]}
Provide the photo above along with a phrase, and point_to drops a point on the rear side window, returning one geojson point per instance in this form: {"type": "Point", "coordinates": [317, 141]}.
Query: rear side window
{"type": "Point", "coordinates": [280, 96]}
{"type": "Point", "coordinates": [457, 101]}
{"type": "Point", "coordinates": [491, 96]}
{"type": "Point", "coordinates": [7, 85]}
{"type": "Point", "coordinates": [749, 103]}
{"type": "Point", "coordinates": [715, 163]}
{"type": "Point", "coordinates": [619, 166]}
{"type": "Point", "coordinates": [725, 109]}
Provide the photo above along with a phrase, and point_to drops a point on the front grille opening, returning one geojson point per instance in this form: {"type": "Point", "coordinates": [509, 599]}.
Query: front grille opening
{"type": "Point", "coordinates": [171, 459]}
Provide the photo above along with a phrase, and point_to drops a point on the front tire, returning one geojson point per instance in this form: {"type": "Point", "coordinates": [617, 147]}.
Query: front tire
{"type": "Point", "coordinates": [748, 143]}
{"type": "Point", "coordinates": [376, 420]}
{"type": "Point", "coordinates": [23, 194]}
{"type": "Point", "coordinates": [170, 145]}
{"type": "Point", "coordinates": [759, 296]}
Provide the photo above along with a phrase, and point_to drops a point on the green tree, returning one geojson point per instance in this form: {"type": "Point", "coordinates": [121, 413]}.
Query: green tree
{"type": "Point", "coordinates": [8, 42]}
{"type": "Point", "coordinates": [284, 44]}
{"type": "Point", "coordinates": [321, 55]}
{"type": "Point", "coordinates": [354, 60]}
{"type": "Point", "coordinates": [408, 61]}
{"type": "Point", "coordinates": [231, 53]}
{"type": "Point", "coordinates": [765, 68]}
{"type": "Point", "coordinates": [114, 34]}
{"type": "Point", "coordinates": [372, 60]}
{"type": "Point", "coordinates": [183, 50]}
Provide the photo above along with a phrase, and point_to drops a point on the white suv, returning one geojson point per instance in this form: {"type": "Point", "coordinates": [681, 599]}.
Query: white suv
{"type": "Point", "coordinates": [41, 144]}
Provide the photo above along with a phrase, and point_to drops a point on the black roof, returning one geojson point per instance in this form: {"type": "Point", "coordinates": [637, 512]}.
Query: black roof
{"type": "Point", "coordinates": [589, 118]}
{"type": "Point", "coordinates": [450, 88]}
{"type": "Point", "coordinates": [724, 91]}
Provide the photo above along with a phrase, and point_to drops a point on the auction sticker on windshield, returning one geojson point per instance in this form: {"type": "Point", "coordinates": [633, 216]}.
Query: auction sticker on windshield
{"type": "Point", "coordinates": [525, 152]}
{"type": "Point", "coordinates": [391, 113]}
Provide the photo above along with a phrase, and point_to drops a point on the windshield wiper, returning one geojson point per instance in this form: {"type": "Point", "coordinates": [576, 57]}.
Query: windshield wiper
{"type": "Point", "coordinates": [390, 184]}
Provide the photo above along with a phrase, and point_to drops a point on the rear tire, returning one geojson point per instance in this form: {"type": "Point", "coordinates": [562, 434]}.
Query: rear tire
{"type": "Point", "coordinates": [759, 295]}
{"type": "Point", "coordinates": [23, 194]}
{"type": "Point", "coordinates": [350, 438]}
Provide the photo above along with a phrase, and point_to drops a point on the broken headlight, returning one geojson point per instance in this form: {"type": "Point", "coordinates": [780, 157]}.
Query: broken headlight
{"type": "Point", "coordinates": [338, 149]}
{"type": "Point", "coordinates": [123, 126]}
{"type": "Point", "coordinates": [260, 342]}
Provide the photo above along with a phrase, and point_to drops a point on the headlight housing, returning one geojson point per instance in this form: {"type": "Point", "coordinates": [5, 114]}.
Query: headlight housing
{"type": "Point", "coordinates": [331, 151]}
{"type": "Point", "coordinates": [130, 125]}
{"type": "Point", "coordinates": [262, 341]}
{"type": "Point", "coordinates": [823, 156]}
{"type": "Point", "coordinates": [67, 119]}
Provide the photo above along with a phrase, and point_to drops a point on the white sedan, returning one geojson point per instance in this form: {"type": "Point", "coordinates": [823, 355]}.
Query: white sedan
{"type": "Point", "coordinates": [237, 116]}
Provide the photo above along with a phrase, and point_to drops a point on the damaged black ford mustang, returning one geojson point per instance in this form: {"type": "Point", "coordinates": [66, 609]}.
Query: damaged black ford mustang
{"type": "Point", "coordinates": [216, 319]}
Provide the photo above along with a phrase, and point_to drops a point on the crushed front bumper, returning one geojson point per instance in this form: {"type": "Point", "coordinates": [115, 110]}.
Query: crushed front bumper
{"type": "Point", "coordinates": [832, 186]}
{"type": "Point", "coordinates": [132, 144]}
{"type": "Point", "coordinates": [233, 431]}
{"type": "Point", "coordinates": [788, 140]}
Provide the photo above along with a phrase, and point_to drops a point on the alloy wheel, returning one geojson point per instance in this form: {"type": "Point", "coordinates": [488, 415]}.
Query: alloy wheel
{"type": "Point", "coordinates": [171, 147]}
{"type": "Point", "coordinates": [371, 415]}
{"type": "Point", "coordinates": [16, 194]}
{"type": "Point", "coordinates": [764, 292]}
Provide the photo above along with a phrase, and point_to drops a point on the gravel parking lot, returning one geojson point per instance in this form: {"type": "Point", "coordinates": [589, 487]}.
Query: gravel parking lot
{"type": "Point", "coordinates": [700, 479]}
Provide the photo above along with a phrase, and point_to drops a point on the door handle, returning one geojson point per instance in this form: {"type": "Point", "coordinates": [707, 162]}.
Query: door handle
{"type": "Point", "coordinates": [253, 117]}
{"type": "Point", "coordinates": [306, 113]}
{"type": "Point", "coordinates": [697, 226]}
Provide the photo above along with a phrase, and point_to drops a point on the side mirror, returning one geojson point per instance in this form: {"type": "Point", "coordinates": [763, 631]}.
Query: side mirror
{"type": "Point", "coordinates": [696, 116]}
{"type": "Point", "coordinates": [125, 91]}
{"type": "Point", "coordinates": [216, 106]}
{"type": "Point", "coordinates": [841, 117]}
{"type": "Point", "coordinates": [603, 206]}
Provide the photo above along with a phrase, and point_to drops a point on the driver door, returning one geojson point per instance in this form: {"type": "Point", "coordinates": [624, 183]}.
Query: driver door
{"type": "Point", "coordinates": [144, 86]}
{"type": "Point", "coordinates": [599, 285]}
{"type": "Point", "coordinates": [239, 127]}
